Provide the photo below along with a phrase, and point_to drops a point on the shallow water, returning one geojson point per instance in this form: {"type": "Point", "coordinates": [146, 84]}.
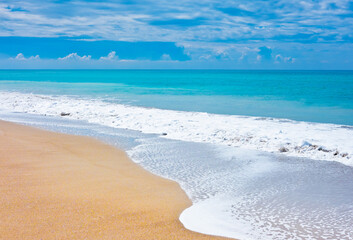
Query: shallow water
{"type": "Point", "coordinates": [238, 193]}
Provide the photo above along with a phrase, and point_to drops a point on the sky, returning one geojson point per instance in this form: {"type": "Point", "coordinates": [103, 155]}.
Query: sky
{"type": "Point", "coordinates": [183, 34]}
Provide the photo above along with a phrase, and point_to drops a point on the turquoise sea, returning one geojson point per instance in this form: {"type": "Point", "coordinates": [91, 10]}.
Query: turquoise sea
{"type": "Point", "coordinates": [314, 96]}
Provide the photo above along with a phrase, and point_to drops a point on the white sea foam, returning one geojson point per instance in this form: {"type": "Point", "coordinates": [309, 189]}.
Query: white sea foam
{"type": "Point", "coordinates": [248, 194]}
{"type": "Point", "coordinates": [293, 138]}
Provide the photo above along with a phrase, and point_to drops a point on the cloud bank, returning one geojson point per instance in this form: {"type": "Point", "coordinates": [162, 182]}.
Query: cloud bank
{"type": "Point", "coordinates": [111, 56]}
{"type": "Point", "coordinates": [75, 56]}
{"type": "Point", "coordinates": [244, 32]}
{"type": "Point", "coordinates": [21, 57]}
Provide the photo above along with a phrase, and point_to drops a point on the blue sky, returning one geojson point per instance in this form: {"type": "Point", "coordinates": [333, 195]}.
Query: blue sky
{"type": "Point", "coordinates": [273, 34]}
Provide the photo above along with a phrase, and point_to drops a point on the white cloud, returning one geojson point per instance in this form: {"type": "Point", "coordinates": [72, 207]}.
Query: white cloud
{"type": "Point", "coordinates": [205, 57]}
{"type": "Point", "coordinates": [36, 57]}
{"type": "Point", "coordinates": [116, 21]}
{"type": "Point", "coordinates": [21, 57]}
{"type": "Point", "coordinates": [289, 60]}
{"type": "Point", "coordinates": [75, 56]}
{"type": "Point", "coordinates": [112, 55]}
{"type": "Point", "coordinates": [279, 58]}
{"type": "Point", "coordinates": [166, 57]}
{"type": "Point", "coordinates": [243, 55]}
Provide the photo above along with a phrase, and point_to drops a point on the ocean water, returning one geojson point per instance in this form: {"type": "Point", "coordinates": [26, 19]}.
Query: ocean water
{"type": "Point", "coordinates": [262, 154]}
{"type": "Point", "coordinates": [313, 96]}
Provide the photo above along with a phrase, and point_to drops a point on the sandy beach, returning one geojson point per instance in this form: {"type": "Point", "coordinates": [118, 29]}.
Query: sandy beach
{"type": "Point", "coordinates": [57, 186]}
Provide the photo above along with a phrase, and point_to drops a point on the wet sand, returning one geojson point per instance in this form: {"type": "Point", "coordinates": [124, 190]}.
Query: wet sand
{"type": "Point", "coordinates": [57, 186]}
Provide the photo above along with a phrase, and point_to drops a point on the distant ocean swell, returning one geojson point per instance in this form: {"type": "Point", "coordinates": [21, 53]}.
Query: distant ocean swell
{"type": "Point", "coordinates": [293, 138]}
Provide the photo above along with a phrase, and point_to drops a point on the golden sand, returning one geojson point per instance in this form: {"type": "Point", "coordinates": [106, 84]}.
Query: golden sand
{"type": "Point", "coordinates": [57, 186]}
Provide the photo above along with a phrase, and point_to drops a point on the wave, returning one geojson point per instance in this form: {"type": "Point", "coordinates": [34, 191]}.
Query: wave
{"type": "Point", "coordinates": [317, 141]}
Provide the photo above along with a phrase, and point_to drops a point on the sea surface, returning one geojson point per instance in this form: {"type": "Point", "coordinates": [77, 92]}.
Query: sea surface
{"type": "Point", "coordinates": [313, 96]}
{"type": "Point", "coordinates": [262, 154]}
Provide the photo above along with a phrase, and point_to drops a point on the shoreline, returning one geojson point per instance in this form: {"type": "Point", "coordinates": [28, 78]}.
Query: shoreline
{"type": "Point", "coordinates": [273, 135]}
{"type": "Point", "coordinates": [59, 186]}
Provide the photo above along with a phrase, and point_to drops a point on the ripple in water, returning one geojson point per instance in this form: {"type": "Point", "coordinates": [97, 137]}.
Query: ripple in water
{"type": "Point", "coordinates": [254, 195]}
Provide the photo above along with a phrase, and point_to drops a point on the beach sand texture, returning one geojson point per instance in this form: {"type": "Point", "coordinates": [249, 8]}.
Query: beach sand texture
{"type": "Point", "coordinates": [57, 186]}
